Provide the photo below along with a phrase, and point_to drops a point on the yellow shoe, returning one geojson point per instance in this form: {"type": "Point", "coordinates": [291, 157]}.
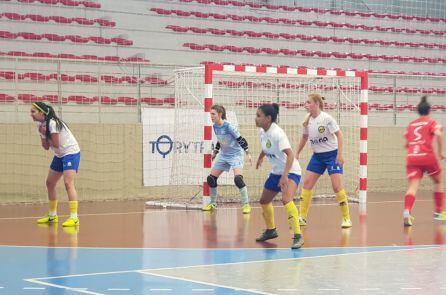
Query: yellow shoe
{"type": "Point", "coordinates": [71, 222]}
{"type": "Point", "coordinates": [48, 219]}
{"type": "Point", "coordinates": [408, 221]}
{"type": "Point", "coordinates": [246, 209]}
{"type": "Point", "coordinates": [209, 207]}
{"type": "Point", "coordinates": [346, 223]}
{"type": "Point", "coordinates": [440, 216]}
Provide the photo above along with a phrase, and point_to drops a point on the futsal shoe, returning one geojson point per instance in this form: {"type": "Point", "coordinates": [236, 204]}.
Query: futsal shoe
{"type": "Point", "coordinates": [48, 219]}
{"type": "Point", "coordinates": [268, 234]}
{"type": "Point", "coordinates": [408, 220]}
{"type": "Point", "coordinates": [298, 241]}
{"type": "Point", "coordinates": [302, 221]}
{"type": "Point", "coordinates": [71, 222]}
{"type": "Point", "coordinates": [440, 216]}
{"type": "Point", "coordinates": [346, 223]}
{"type": "Point", "coordinates": [246, 209]}
{"type": "Point", "coordinates": [209, 207]}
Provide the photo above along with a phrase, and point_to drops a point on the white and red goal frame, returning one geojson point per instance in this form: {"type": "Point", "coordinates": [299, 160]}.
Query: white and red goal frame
{"type": "Point", "coordinates": [212, 69]}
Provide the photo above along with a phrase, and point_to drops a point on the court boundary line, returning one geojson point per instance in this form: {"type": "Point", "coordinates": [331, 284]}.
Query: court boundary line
{"type": "Point", "coordinates": [189, 210]}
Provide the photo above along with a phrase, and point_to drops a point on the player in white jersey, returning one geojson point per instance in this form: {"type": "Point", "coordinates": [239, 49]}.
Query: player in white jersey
{"type": "Point", "coordinates": [285, 174]}
{"type": "Point", "coordinates": [327, 144]}
{"type": "Point", "coordinates": [229, 154]}
{"type": "Point", "coordinates": [56, 135]}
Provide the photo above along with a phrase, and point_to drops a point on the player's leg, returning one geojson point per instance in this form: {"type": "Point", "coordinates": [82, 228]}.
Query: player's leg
{"type": "Point", "coordinates": [270, 190]}
{"type": "Point", "coordinates": [315, 169]}
{"type": "Point", "coordinates": [212, 183]}
{"type": "Point", "coordinates": [291, 210]}
{"type": "Point", "coordinates": [54, 174]}
{"type": "Point", "coordinates": [436, 175]}
{"type": "Point", "coordinates": [414, 176]}
{"type": "Point", "coordinates": [341, 197]}
{"type": "Point", "coordinates": [241, 185]}
{"type": "Point", "coordinates": [70, 166]}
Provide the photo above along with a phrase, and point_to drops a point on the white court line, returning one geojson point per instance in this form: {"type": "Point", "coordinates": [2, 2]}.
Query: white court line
{"type": "Point", "coordinates": [184, 210]}
{"type": "Point", "coordinates": [204, 283]}
{"type": "Point", "coordinates": [33, 288]}
{"type": "Point", "coordinates": [430, 247]}
{"type": "Point", "coordinates": [80, 290]}
{"type": "Point", "coordinates": [410, 288]}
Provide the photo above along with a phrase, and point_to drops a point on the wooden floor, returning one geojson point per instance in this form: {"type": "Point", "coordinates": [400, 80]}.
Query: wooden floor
{"type": "Point", "coordinates": [129, 224]}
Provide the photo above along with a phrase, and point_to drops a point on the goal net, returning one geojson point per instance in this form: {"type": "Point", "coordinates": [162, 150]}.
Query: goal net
{"type": "Point", "coordinates": [241, 90]}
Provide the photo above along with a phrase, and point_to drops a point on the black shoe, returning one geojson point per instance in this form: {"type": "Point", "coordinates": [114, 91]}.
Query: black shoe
{"type": "Point", "coordinates": [268, 234]}
{"type": "Point", "coordinates": [298, 241]}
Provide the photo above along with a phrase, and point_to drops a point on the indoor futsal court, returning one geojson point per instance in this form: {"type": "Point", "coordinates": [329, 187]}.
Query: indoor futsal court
{"type": "Point", "coordinates": [222, 147]}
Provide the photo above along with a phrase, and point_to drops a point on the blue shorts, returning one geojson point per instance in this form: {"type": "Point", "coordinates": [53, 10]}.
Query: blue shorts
{"type": "Point", "coordinates": [272, 183]}
{"type": "Point", "coordinates": [321, 161]}
{"type": "Point", "coordinates": [226, 163]}
{"type": "Point", "coordinates": [68, 162]}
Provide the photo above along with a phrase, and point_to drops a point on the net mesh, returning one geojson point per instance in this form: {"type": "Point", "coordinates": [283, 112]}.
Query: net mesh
{"type": "Point", "coordinates": [241, 94]}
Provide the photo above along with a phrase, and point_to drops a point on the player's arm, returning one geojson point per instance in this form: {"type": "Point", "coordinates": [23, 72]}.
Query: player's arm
{"type": "Point", "coordinates": [260, 159]}
{"type": "Point", "coordinates": [340, 136]}
{"type": "Point", "coordinates": [55, 140]}
{"type": "Point", "coordinates": [45, 143]}
{"type": "Point", "coordinates": [243, 143]}
{"type": "Point", "coordinates": [216, 150]}
{"type": "Point", "coordinates": [439, 139]}
{"type": "Point", "coordinates": [301, 145]}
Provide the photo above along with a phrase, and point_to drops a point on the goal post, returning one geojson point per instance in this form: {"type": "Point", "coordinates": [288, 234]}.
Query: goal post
{"type": "Point", "coordinates": [241, 89]}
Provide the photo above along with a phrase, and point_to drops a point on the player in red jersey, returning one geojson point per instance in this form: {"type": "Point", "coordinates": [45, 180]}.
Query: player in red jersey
{"type": "Point", "coordinates": [421, 158]}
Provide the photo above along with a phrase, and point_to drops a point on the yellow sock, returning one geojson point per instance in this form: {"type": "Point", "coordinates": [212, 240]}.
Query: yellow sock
{"type": "Point", "coordinates": [73, 208]}
{"type": "Point", "coordinates": [341, 196]}
{"type": "Point", "coordinates": [53, 207]}
{"type": "Point", "coordinates": [268, 215]}
{"type": "Point", "coordinates": [305, 202]}
{"type": "Point", "coordinates": [293, 217]}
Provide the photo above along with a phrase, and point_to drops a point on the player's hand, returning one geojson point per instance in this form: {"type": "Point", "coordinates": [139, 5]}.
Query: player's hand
{"type": "Point", "coordinates": [250, 159]}
{"type": "Point", "coordinates": [442, 157]}
{"type": "Point", "coordinates": [42, 130]}
{"type": "Point", "coordinates": [283, 183]}
{"type": "Point", "coordinates": [340, 159]}
{"type": "Point", "coordinates": [259, 163]}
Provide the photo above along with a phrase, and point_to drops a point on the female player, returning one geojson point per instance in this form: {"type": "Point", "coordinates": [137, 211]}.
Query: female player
{"type": "Point", "coordinates": [54, 134]}
{"type": "Point", "coordinates": [327, 143]}
{"type": "Point", "coordinates": [230, 147]}
{"type": "Point", "coordinates": [285, 174]}
{"type": "Point", "coordinates": [421, 158]}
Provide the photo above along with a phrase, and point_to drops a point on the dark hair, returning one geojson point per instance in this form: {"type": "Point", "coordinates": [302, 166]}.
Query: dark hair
{"type": "Point", "coordinates": [271, 110]}
{"type": "Point", "coordinates": [220, 109]}
{"type": "Point", "coordinates": [49, 113]}
{"type": "Point", "coordinates": [423, 107]}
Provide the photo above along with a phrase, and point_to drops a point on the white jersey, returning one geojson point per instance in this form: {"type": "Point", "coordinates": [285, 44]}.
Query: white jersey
{"type": "Point", "coordinates": [67, 143]}
{"type": "Point", "coordinates": [321, 133]}
{"type": "Point", "coordinates": [274, 142]}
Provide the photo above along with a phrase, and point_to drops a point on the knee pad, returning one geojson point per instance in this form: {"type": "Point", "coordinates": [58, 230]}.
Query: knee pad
{"type": "Point", "coordinates": [238, 180]}
{"type": "Point", "coordinates": [212, 180]}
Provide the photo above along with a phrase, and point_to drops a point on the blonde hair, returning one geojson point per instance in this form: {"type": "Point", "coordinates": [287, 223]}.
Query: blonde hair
{"type": "Point", "coordinates": [317, 98]}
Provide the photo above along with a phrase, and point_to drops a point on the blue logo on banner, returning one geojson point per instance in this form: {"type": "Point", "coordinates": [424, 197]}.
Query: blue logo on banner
{"type": "Point", "coordinates": [163, 145]}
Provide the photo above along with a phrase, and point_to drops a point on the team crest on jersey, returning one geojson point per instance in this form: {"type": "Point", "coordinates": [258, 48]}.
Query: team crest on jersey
{"type": "Point", "coordinates": [268, 144]}
{"type": "Point", "coordinates": [321, 129]}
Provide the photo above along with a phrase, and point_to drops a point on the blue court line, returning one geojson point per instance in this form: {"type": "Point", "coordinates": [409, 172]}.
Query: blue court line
{"type": "Point", "coordinates": [99, 269]}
